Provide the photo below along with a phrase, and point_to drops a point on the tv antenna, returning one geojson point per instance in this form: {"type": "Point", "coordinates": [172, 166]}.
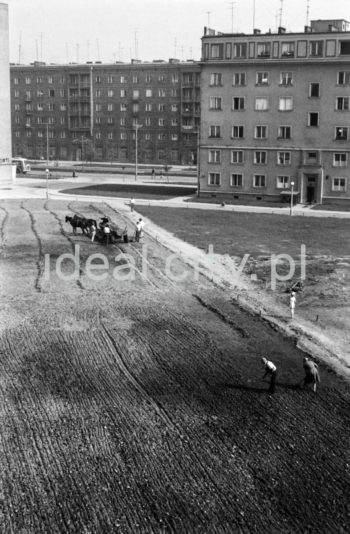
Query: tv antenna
{"type": "Point", "coordinates": [208, 13]}
{"type": "Point", "coordinates": [281, 13]}
{"type": "Point", "coordinates": [232, 6]}
{"type": "Point", "coordinates": [307, 12]}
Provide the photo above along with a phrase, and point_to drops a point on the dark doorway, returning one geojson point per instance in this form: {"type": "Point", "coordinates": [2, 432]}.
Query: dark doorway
{"type": "Point", "coordinates": [310, 194]}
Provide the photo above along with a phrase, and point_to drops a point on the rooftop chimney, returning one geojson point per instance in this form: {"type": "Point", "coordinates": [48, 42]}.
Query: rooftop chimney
{"type": "Point", "coordinates": [281, 29]}
{"type": "Point", "coordinates": [257, 31]}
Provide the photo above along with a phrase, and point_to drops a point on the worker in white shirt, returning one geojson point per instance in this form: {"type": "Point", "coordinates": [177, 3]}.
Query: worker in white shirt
{"type": "Point", "coordinates": [270, 369]}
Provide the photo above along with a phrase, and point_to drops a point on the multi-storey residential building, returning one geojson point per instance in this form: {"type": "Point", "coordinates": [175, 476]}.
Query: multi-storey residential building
{"type": "Point", "coordinates": [91, 111]}
{"type": "Point", "coordinates": [275, 112]}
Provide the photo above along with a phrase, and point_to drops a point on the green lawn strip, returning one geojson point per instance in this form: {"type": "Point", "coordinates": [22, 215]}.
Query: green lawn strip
{"type": "Point", "coordinates": [251, 233]}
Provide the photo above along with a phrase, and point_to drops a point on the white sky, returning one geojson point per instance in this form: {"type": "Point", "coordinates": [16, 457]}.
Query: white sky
{"type": "Point", "coordinates": [82, 30]}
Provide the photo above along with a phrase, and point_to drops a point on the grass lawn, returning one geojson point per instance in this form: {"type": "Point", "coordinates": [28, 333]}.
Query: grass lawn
{"type": "Point", "coordinates": [132, 190]}
{"type": "Point", "coordinates": [252, 233]}
{"type": "Point", "coordinates": [332, 207]}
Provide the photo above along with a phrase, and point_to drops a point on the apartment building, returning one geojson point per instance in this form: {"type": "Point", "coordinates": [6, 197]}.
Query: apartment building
{"type": "Point", "coordinates": [275, 110]}
{"type": "Point", "coordinates": [94, 111]}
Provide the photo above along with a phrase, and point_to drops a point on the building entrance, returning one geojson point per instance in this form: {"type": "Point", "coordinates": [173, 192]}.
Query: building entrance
{"type": "Point", "coordinates": [311, 189]}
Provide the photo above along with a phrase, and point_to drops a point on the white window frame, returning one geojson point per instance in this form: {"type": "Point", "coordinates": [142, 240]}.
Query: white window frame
{"type": "Point", "coordinates": [315, 113]}
{"type": "Point", "coordinates": [263, 101]}
{"type": "Point", "coordinates": [343, 77]}
{"type": "Point", "coordinates": [215, 103]}
{"type": "Point", "coordinates": [238, 175]}
{"type": "Point", "coordinates": [148, 93]}
{"type": "Point", "coordinates": [255, 179]}
{"type": "Point", "coordinates": [256, 136]}
{"type": "Point", "coordinates": [239, 126]}
{"type": "Point", "coordinates": [340, 159]}
{"type": "Point", "coordinates": [214, 156]}
{"type": "Point", "coordinates": [260, 157]}
{"type": "Point", "coordinates": [214, 131]}
{"type": "Point", "coordinates": [215, 79]}
{"type": "Point", "coordinates": [336, 184]}
{"type": "Point", "coordinates": [282, 181]}
{"type": "Point", "coordinates": [212, 178]}
{"type": "Point", "coordinates": [240, 101]}
{"type": "Point", "coordinates": [239, 79]}
{"type": "Point", "coordinates": [262, 78]}
{"type": "Point", "coordinates": [285, 103]}
{"type": "Point", "coordinates": [284, 158]}
{"type": "Point", "coordinates": [343, 100]}
{"type": "Point", "coordinates": [286, 78]}
{"type": "Point", "coordinates": [345, 136]}
{"type": "Point", "coordinates": [237, 157]}
{"type": "Point", "coordinates": [284, 127]}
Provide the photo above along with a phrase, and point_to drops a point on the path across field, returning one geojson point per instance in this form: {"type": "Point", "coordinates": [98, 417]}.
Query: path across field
{"type": "Point", "coordinates": [137, 405]}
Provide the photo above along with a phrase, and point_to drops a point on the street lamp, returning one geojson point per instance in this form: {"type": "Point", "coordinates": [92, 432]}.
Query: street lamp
{"type": "Point", "coordinates": [291, 199]}
{"type": "Point", "coordinates": [137, 127]}
{"type": "Point", "coordinates": [47, 183]}
{"type": "Point", "coordinates": [47, 146]}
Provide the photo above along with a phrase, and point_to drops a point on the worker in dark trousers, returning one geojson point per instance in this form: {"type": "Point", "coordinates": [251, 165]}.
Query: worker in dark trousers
{"type": "Point", "coordinates": [271, 370]}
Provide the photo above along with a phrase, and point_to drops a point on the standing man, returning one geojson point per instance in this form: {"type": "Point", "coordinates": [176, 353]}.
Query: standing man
{"type": "Point", "coordinates": [132, 205]}
{"type": "Point", "coordinates": [93, 232]}
{"type": "Point", "coordinates": [107, 233]}
{"type": "Point", "coordinates": [141, 224]}
{"type": "Point", "coordinates": [292, 301]}
{"type": "Point", "coordinates": [270, 369]}
{"type": "Point", "coordinates": [311, 373]}
{"type": "Point", "coordinates": [138, 231]}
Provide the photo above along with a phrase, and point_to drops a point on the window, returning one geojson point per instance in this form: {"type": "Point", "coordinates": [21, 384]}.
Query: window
{"type": "Point", "coordinates": [110, 120]}
{"type": "Point", "coordinates": [341, 133]}
{"type": "Point", "coordinates": [148, 78]}
{"type": "Point", "coordinates": [109, 79]}
{"type": "Point", "coordinates": [237, 156]}
{"type": "Point", "coordinates": [147, 121]}
{"type": "Point", "coordinates": [313, 119]}
{"type": "Point", "coordinates": [314, 90]}
{"type": "Point", "coordinates": [110, 93]}
{"type": "Point", "coordinates": [40, 106]}
{"type": "Point", "coordinates": [214, 178]}
{"type": "Point", "coordinates": [215, 102]}
{"type": "Point", "coordinates": [63, 135]}
{"type": "Point", "coordinates": [161, 78]}
{"type": "Point", "coordinates": [50, 107]}
{"type": "Point", "coordinates": [215, 78]}
{"type": "Point", "coordinates": [62, 120]}
{"type": "Point", "coordinates": [239, 78]}
{"type": "Point", "coordinates": [123, 136]}
{"type": "Point", "coordinates": [174, 107]}
{"type": "Point", "coordinates": [284, 132]}
{"type": "Point", "coordinates": [51, 93]}
{"type": "Point", "coordinates": [262, 78]}
{"type": "Point", "coordinates": [161, 137]}
{"type": "Point", "coordinates": [110, 135]}
{"type": "Point", "coordinates": [339, 184]}
{"type": "Point", "coordinates": [261, 103]}
{"type": "Point", "coordinates": [18, 107]}
{"type": "Point", "coordinates": [29, 133]}
{"type": "Point", "coordinates": [148, 93]}
{"type": "Point", "coordinates": [123, 79]}
{"type": "Point", "coordinates": [316, 48]}
{"type": "Point", "coordinates": [62, 79]}
{"type": "Point", "coordinates": [147, 136]}
{"type": "Point", "coordinates": [217, 51]}
{"type": "Point", "coordinates": [340, 159]}
{"type": "Point", "coordinates": [174, 92]}
{"type": "Point", "coordinates": [342, 103]}
{"type": "Point", "coordinates": [174, 122]}
{"type": "Point", "coordinates": [161, 107]}
{"type": "Point", "coordinates": [16, 93]}
{"type": "Point", "coordinates": [240, 50]}
{"type": "Point", "coordinates": [110, 107]}
{"type": "Point", "coordinates": [282, 182]}
{"type": "Point", "coordinates": [260, 157]}
{"type": "Point", "coordinates": [123, 121]}
{"type": "Point", "coordinates": [263, 49]}
{"type": "Point", "coordinates": [174, 137]}
{"type": "Point", "coordinates": [98, 107]}
{"type": "Point", "coordinates": [285, 103]}
{"type": "Point", "coordinates": [28, 80]}
{"type": "Point", "coordinates": [161, 122]}
{"type": "Point", "coordinates": [344, 48]}
{"type": "Point", "coordinates": [214, 156]}
{"type": "Point", "coordinates": [15, 81]}
{"type": "Point", "coordinates": [98, 120]}
{"type": "Point", "coordinates": [236, 180]}
{"type": "Point", "coordinates": [259, 180]}
{"type": "Point", "coordinates": [148, 107]}
{"type": "Point", "coordinates": [135, 93]}
{"type": "Point", "coordinates": [237, 132]}
{"type": "Point", "coordinates": [214, 131]}
{"type": "Point", "coordinates": [62, 93]}
{"type": "Point", "coordinates": [286, 78]}
{"type": "Point", "coordinates": [238, 103]}
{"type": "Point", "coordinates": [344, 77]}
{"type": "Point", "coordinates": [122, 93]}
{"type": "Point", "coordinates": [162, 93]}
{"type": "Point", "coordinates": [283, 158]}
{"type": "Point", "coordinates": [122, 107]}
{"type": "Point", "coordinates": [98, 93]}
{"type": "Point", "coordinates": [98, 79]}
{"type": "Point", "coordinates": [135, 108]}
{"type": "Point", "coordinates": [287, 50]}
{"type": "Point", "coordinates": [260, 132]}
{"type": "Point", "coordinates": [175, 78]}
{"type": "Point", "coordinates": [135, 79]}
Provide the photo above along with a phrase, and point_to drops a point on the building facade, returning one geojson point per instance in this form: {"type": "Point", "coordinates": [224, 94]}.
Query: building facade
{"type": "Point", "coordinates": [95, 111]}
{"type": "Point", "coordinates": [275, 112]}
{"type": "Point", "coordinates": [6, 170]}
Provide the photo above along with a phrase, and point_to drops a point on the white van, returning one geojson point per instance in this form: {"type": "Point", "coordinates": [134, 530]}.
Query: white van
{"type": "Point", "coordinates": [22, 165]}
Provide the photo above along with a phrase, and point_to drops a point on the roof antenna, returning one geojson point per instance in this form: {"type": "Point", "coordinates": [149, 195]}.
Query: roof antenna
{"type": "Point", "coordinates": [281, 13]}
{"type": "Point", "coordinates": [307, 12]}
{"type": "Point", "coordinates": [20, 48]}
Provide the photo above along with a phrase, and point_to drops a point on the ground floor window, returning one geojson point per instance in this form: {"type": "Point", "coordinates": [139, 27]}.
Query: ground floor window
{"type": "Point", "coordinates": [259, 180]}
{"type": "Point", "coordinates": [282, 182]}
{"type": "Point", "coordinates": [236, 180]}
{"type": "Point", "coordinates": [214, 178]}
{"type": "Point", "coordinates": [339, 184]}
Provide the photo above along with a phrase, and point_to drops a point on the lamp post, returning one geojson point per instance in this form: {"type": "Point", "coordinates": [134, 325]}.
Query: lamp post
{"type": "Point", "coordinates": [137, 126]}
{"type": "Point", "coordinates": [47, 183]}
{"type": "Point", "coordinates": [47, 147]}
{"type": "Point", "coordinates": [291, 198]}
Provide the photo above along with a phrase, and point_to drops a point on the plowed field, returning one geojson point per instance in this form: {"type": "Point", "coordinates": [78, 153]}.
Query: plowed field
{"type": "Point", "coordinates": [134, 406]}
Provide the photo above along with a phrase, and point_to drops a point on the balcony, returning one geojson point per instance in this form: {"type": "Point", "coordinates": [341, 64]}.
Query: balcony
{"type": "Point", "coordinates": [264, 54]}
{"type": "Point", "coordinates": [288, 54]}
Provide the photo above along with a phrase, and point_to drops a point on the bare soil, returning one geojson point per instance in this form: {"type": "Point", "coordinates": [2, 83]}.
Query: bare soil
{"type": "Point", "coordinates": [138, 406]}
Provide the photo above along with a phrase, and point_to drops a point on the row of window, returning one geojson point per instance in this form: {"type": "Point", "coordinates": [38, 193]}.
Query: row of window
{"type": "Point", "coordinates": [98, 120]}
{"type": "Point", "coordinates": [341, 133]}
{"type": "Point", "coordinates": [85, 79]}
{"type": "Point", "coordinates": [98, 135]}
{"type": "Point", "coordinates": [285, 49]}
{"type": "Point", "coordinates": [283, 157]}
{"type": "Point", "coordinates": [99, 107]}
{"type": "Point", "coordinates": [285, 103]}
{"type": "Point", "coordinates": [75, 93]}
{"type": "Point", "coordinates": [259, 181]}
{"type": "Point", "coordinates": [264, 78]}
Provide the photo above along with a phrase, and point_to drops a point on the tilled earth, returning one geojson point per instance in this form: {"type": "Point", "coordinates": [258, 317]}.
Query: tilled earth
{"type": "Point", "coordinates": [138, 406]}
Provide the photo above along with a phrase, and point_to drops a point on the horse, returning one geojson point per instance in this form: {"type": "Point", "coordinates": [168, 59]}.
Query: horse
{"type": "Point", "coordinates": [76, 222]}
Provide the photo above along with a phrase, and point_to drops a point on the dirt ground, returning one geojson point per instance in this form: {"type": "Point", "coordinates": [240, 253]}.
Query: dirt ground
{"type": "Point", "coordinates": [138, 406]}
